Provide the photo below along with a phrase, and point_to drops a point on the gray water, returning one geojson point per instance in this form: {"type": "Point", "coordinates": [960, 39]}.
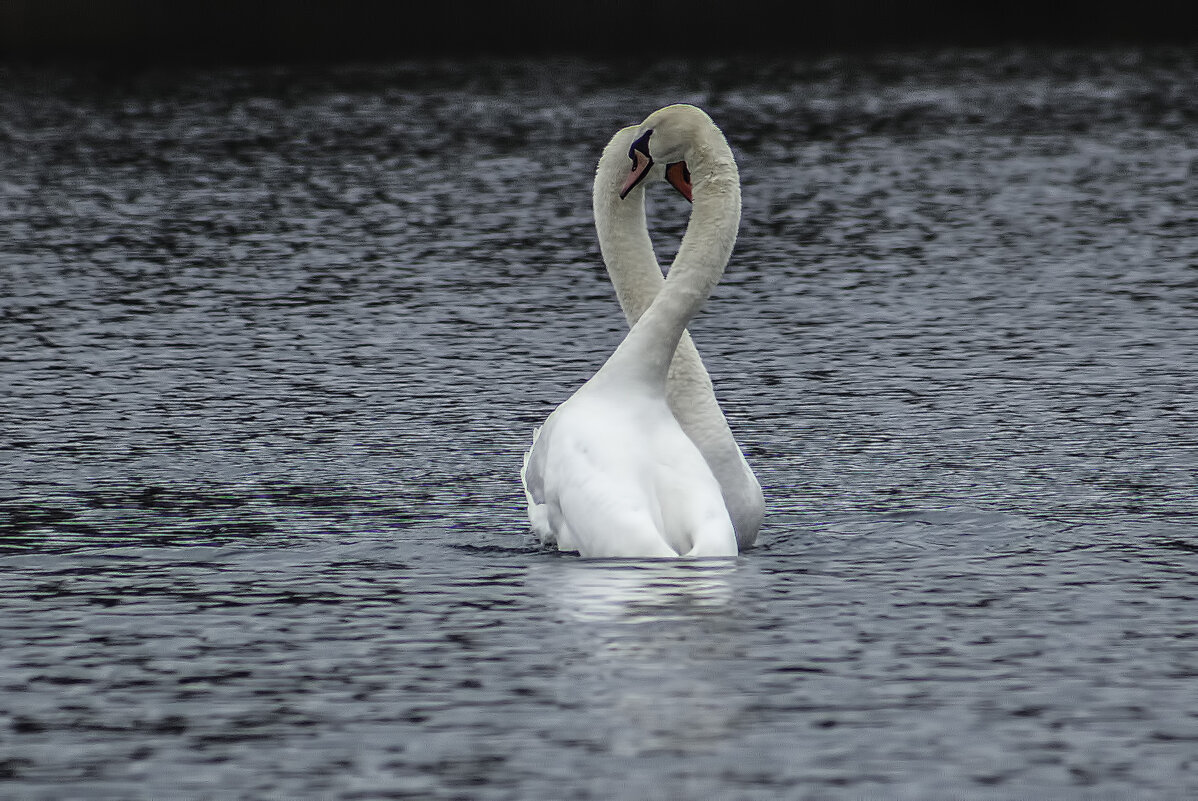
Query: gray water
{"type": "Point", "coordinates": [273, 341]}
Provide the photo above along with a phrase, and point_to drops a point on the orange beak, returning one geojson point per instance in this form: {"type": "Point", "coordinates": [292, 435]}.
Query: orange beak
{"type": "Point", "coordinates": [640, 168]}
{"type": "Point", "coordinates": [680, 178]}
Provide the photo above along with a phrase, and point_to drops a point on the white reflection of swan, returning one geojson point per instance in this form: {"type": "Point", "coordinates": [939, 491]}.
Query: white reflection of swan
{"type": "Point", "coordinates": [651, 658]}
{"type": "Point", "coordinates": [637, 592]}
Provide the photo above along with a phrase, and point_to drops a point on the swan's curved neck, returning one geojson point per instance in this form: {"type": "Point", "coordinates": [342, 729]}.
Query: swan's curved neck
{"type": "Point", "coordinates": [623, 235]}
{"type": "Point", "coordinates": [646, 352]}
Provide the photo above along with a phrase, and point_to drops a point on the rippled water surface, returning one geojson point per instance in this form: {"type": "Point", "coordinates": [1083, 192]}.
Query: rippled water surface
{"type": "Point", "coordinates": [272, 342]}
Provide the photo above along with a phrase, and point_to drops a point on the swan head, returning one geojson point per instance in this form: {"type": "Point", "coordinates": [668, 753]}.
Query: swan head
{"type": "Point", "coordinates": [669, 136]}
{"type": "Point", "coordinates": [611, 172]}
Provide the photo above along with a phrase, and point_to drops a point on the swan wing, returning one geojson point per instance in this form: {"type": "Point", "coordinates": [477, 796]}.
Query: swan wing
{"type": "Point", "coordinates": [623, 480]}
{"type": "Point", "coordinates": [531, 478]}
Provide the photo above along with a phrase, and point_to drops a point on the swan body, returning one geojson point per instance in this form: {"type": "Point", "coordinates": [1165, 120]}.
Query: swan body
{"type": "Point", "coordinates": [636, 275]}
{"type": "Point", "coordinates": [612, 473]}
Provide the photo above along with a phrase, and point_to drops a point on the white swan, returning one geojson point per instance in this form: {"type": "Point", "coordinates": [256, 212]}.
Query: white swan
{"type": "Point", "coordinates": [632, 265]}
{"type": "Point", "coordinates": [612, 473]}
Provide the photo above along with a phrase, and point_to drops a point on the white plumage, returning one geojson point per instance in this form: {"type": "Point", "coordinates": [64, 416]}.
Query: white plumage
{"type": "Point", "coordinates": [635, 274]}
{"type": "Point", "coordinates": [613, 473]}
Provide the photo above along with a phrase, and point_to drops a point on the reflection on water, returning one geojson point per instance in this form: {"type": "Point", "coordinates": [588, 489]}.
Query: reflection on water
{"type": "Point", "coordinates": [652, 637]}
{"type": "Point", "coordinates": [637, 592]}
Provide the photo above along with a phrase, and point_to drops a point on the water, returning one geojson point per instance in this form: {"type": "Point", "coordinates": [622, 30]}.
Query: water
{"type": "Point", "coordinates": [273, 342]}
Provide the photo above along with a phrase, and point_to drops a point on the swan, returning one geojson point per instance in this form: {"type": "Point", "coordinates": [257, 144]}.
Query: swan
{"type": "Point", "coordinates": [611, 473]}
{"type": "Point", "coordinates": [634, 271]}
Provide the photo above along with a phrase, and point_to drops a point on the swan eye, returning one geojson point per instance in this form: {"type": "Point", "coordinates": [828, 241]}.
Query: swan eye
{"type": "Point", "coordinates": [642, 145]}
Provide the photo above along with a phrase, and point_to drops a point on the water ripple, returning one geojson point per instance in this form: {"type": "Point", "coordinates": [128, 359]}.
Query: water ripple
{"type": "Point", "coordinates": [273, 341]}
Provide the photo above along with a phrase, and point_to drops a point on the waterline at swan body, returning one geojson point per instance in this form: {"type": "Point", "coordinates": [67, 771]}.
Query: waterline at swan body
{"type": "Point", "coordinates": [612, 473]}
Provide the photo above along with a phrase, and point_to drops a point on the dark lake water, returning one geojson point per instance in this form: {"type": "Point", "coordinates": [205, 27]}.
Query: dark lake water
{"type": "Point", "coordinates": [272, 343]}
